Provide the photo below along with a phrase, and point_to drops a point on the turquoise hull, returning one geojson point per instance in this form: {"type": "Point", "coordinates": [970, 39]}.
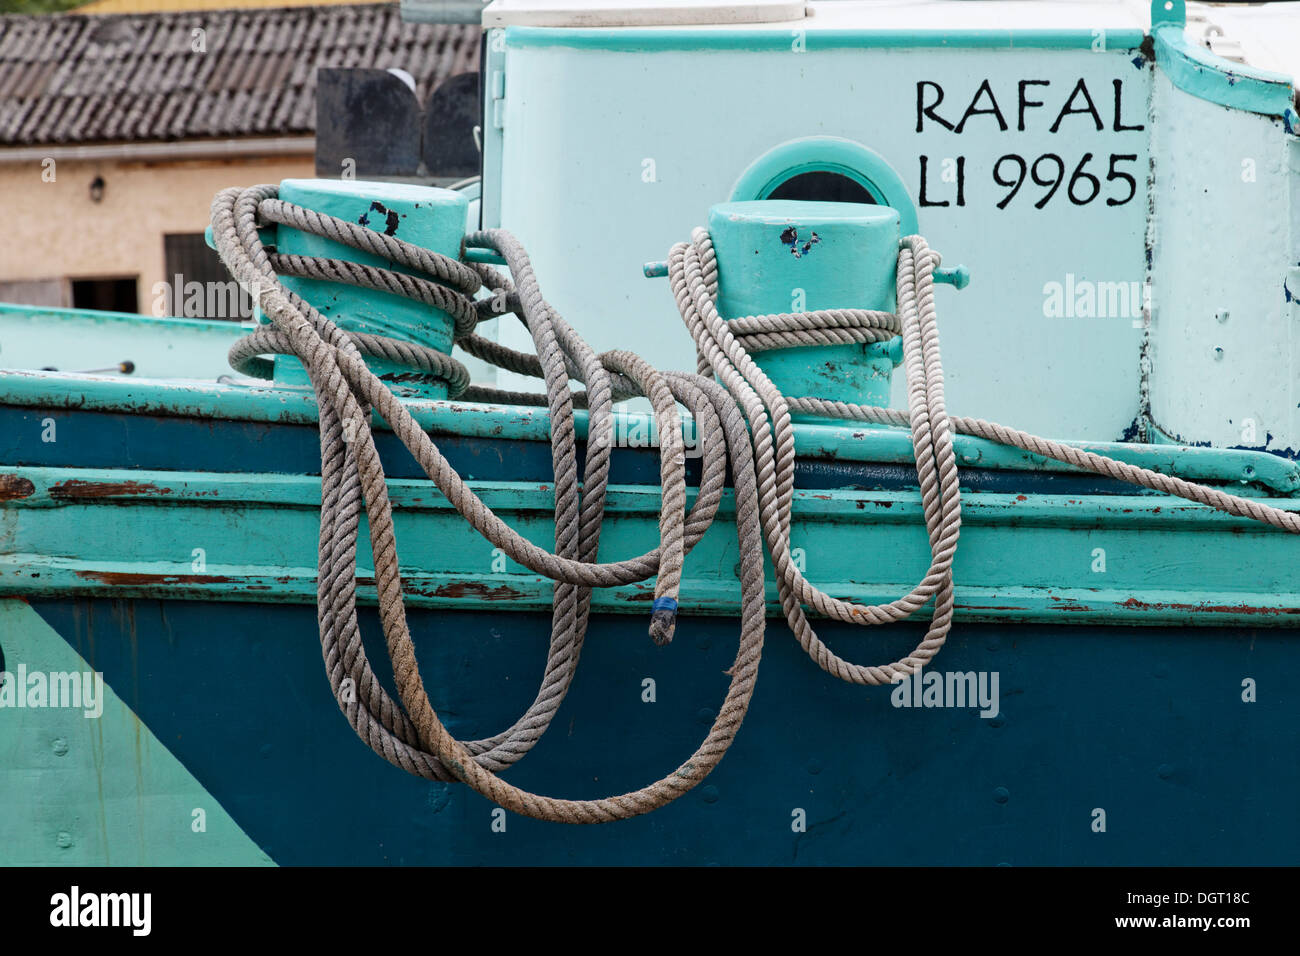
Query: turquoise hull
{"type": "Point", "coordinates": [1111, 695]}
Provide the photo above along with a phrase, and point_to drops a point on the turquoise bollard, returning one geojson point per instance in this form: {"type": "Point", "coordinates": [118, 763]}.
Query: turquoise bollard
{"type": "Point", "coordinates": [432, 218]}
{"type": "Point", "coordinates": [787, 256]}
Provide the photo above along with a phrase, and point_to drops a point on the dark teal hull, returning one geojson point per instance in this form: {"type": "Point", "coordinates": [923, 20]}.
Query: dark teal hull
{"type": "Point", "coordinates": [1147, 724]}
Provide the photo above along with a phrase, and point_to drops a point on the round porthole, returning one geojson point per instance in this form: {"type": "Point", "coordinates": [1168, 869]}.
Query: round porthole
{"type": "Point", "coordinates": [827, 169]}
{"type": "Point", "coordinates": [823, 185]}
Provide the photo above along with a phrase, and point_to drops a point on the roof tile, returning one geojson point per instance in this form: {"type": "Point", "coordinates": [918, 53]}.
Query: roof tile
{"type": "Point", "coordinates": [67, 78]}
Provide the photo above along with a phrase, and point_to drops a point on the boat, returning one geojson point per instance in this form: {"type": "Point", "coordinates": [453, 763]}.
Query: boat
{"type": "Point", "coordinates": [827, 433]}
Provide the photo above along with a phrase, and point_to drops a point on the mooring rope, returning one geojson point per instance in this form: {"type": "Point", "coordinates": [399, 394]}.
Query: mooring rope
{"type": "Point", "coordinates": [744, 423]}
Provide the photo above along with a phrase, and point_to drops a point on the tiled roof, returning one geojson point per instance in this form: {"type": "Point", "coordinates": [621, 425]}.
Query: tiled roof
{"type": "Point", "coordinates": [162, 6]}
{"type": "Point", "coordinates": [85, 79]}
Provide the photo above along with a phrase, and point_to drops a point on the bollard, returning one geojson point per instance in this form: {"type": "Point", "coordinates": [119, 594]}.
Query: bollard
{"type": "Point", "coordinates": [423, 216]}
{"type": "Point", "coordinates": [779, 256]}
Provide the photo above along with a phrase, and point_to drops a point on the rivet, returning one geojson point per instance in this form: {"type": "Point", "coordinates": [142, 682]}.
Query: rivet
{"type": "Point", "coordinates": [1221, 315]}
{"type": "Point", "coordinates": [1217, 352]}
{"type": "Point", "coordinates": [709, 793]}
{"type": "Point", "coordinates": [813, 766]}
{"type": "Point", "coordinates": [705, 715]}
{"type": "Point", "coordinates": [59, 746]}
{"type": "Point", "coordinates": [1164, 771]}
{"type": "Point", "coordinates": [1001, 795]}
{"type": "Point", "coordinates": [64, 839]}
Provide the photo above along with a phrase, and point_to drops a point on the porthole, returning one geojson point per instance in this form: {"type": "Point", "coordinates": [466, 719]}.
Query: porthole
{"type": "Point", "coordinates": [827, 169]}
{"type": "Point", "coordinates": [823, 185]}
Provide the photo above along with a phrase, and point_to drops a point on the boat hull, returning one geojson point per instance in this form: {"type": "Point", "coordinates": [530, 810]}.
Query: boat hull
{"type": "Point", "coordinates": [1147, 725]}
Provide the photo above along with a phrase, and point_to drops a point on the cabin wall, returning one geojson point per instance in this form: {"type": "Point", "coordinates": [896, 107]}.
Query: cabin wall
{"type": "Point", "coordinates": [1224, 351]}
{"type": "Point", "coordinates": [634, 146]}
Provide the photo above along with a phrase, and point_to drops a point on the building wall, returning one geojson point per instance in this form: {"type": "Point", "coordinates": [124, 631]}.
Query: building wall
{"type": "Point", "coordinates": [55, 230]}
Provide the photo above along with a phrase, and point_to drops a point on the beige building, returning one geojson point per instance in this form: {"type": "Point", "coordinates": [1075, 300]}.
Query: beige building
{"type": "Point", "coordinates": [111, 229]}
{"type": "Point", "coordinates": [116, 132]}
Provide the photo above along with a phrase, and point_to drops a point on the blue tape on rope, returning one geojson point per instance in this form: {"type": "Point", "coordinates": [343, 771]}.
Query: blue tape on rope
{"type": "Point", "coordinates": [664, 604]}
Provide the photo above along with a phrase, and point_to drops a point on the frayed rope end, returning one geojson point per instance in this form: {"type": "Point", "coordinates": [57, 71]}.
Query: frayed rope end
{"type": "Point", "coordinates": [663, 620]}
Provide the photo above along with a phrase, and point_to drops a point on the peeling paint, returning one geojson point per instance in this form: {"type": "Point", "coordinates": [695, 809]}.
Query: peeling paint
{"type": "Point", "coordinates": [391, 219]}
{"type": "Point", "coordinates": [790, 237]}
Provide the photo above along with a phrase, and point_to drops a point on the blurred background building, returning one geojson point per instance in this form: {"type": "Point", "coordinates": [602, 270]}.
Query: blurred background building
{"type": "Point", "coordinates": [117, 128]}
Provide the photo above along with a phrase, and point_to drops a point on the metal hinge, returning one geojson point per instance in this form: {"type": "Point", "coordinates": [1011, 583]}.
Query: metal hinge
{"type": "Point", "coordinates": [497, 99]}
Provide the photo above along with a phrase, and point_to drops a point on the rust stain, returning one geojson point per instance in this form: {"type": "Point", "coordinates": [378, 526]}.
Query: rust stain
{"type": "Point", "coordinates": [13, 487]}
{"type": "Point", "coordinates": [131, 579]}
{"type": "Point", "coordinates": [77, 490]}
{"type": "Point", "coordinates": [1137, 605]}
{"type": "Point", "coordinates": [477, 589]}
{"type": "Point", "coordinates": [1068, 604]}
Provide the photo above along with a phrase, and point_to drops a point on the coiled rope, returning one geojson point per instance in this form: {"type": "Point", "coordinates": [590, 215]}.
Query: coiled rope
{"type": "Point", "coordinates": [744, 423]}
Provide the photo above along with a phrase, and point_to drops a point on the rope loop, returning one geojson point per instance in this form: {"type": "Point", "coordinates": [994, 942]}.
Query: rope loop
{"type": "Point", "coordinates": [744, 428]}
